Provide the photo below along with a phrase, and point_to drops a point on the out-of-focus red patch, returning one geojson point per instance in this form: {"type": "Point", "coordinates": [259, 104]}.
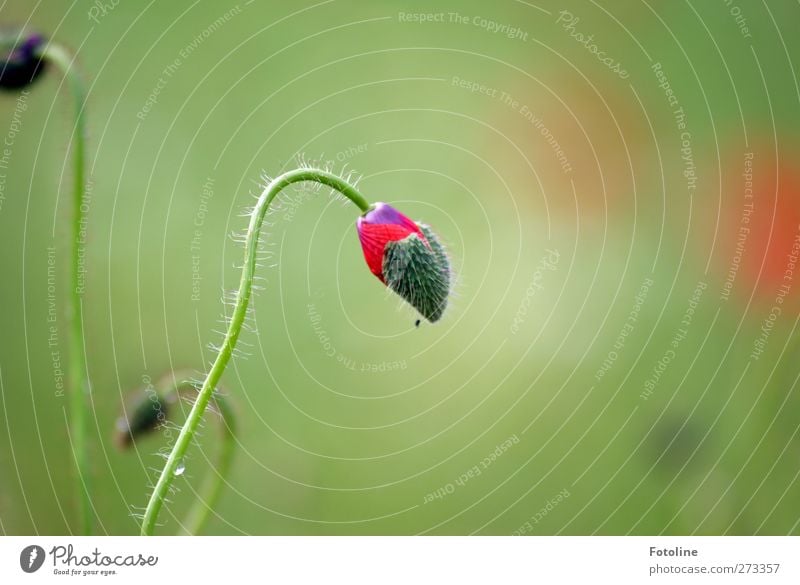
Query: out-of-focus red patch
{"type": "Point", "coordinates": [592, 137]}
{"type": "Point", "coordinates": [761, 226]}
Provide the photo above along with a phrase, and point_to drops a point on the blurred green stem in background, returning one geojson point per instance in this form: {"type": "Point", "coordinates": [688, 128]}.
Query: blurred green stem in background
{"type": "Point", "coordinates": [148, 411]}
{"type": "Point", "coordinates": [209, 492]}
{"type": "Point", "coordinates": [77, 376]}
{"type": "Point", "coordinates": [175, 460]}
{"type": "Point", "coordinates": [211, 489]}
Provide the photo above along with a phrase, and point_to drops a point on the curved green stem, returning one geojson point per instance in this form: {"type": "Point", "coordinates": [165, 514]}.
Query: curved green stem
{"type": "Point", "coordinates": [235, 326]}
{"type": "Point", "coordinates": [79, 389]}
{"type": "Point", "coordinates": [210, 491]}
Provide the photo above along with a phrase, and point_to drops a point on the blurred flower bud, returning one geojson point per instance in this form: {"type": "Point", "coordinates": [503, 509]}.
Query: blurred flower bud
{"type": "Point", "coordinates": [20, 59]}
{"type": "Point", "coordinates": [146, 411]}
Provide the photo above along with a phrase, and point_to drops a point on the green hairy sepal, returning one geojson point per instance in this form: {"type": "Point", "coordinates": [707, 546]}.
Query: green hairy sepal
{"type": "Point", "coordinates": [419, 273]}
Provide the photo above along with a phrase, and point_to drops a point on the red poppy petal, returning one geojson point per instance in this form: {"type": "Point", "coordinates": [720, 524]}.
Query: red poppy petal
{"type": "Point", "coordinates": [374, 238]}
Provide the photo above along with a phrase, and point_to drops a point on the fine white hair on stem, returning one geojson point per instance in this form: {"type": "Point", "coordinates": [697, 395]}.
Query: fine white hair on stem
{"type": "Point", "coordinates": [236, 322]}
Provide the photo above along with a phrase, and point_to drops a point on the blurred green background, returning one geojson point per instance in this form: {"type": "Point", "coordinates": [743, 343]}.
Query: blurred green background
{"type": "Point", "coordinates": [598, 363]}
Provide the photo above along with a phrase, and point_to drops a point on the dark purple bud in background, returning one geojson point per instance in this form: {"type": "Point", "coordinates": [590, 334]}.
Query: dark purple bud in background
{"type": "Point", "coordinates": [20, 59]}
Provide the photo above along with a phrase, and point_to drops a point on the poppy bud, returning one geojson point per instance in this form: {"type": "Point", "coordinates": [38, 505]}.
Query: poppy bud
{"type": "Point", "coordinates": [20, 60]}
{"type": "Point", "coordinates": [145, 413]}
{"type": "Point", "coordinates": [407, 257]}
